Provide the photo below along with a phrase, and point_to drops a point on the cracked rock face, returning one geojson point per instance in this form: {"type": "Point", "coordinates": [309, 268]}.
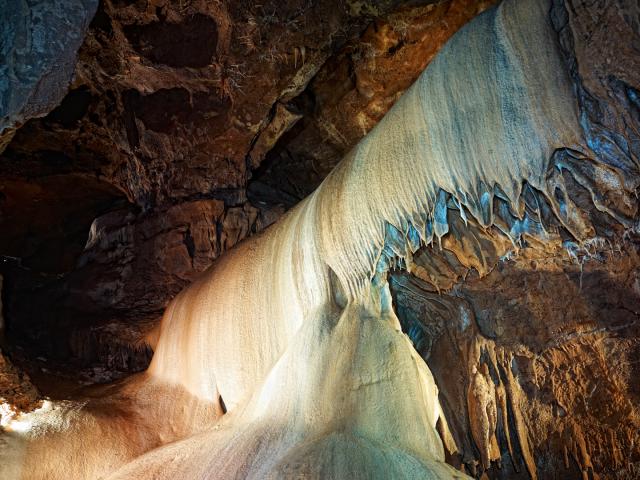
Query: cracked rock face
{"type": "Point", "coordinates": [352, 92]}
{"type": "Point", "coordinates": [190, 126]}
{"type": "Point", "coordinates": [151, 141]}
{"type": "Point", "coordinates": [541, 361]}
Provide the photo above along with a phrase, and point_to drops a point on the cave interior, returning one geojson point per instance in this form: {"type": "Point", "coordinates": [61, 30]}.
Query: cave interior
{"type": "Point", "coordinates": [324, 238]}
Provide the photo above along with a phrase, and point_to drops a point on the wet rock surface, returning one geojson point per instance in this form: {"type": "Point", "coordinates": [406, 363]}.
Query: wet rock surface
{"type": "Point", "coordinates": [539, 352]}
{"type": "Point", "coordinates": [190, 126]}
{"type": "Point", "coordinates": [172, 111]}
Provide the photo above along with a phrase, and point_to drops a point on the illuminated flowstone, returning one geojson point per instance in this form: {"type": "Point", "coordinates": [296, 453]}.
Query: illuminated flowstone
{"type": "Point", "coordinates": [293, 334]}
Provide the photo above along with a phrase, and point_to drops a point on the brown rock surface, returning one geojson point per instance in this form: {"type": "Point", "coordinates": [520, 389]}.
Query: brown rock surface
{"type": "Point", "coordinates": [138, 180]}
{"type": "Point", "coordinates": [352, 92]}
{"type": "Point", "coordinates": [17, 393]}
{"type": "Point", "coordinates": [172, 108]}
{"type": "Point", "coordinates": [541, 354]}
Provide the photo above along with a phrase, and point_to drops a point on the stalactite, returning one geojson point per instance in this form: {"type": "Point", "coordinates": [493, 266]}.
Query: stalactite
{"type": "Point", "coordinates": [295, 329]}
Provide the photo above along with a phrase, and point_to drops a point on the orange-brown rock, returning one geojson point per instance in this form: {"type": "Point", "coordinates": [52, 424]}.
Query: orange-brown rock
{"type": "Point", "coordinates": [174, 107]}
{"type": "Point", "coordinates": [550, 343]}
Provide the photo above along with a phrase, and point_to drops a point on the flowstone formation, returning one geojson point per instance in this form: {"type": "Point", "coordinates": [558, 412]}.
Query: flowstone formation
{"type": "Point", "coordinates": [152, 150]}
{"type": "Point", "coordinates": [286, 358]}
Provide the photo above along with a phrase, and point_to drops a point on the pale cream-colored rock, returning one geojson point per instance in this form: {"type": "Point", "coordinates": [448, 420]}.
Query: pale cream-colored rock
{"type": "Point", "coordinates": [294, 332]}
{"type": "Point", "coordinates": [483, 415]}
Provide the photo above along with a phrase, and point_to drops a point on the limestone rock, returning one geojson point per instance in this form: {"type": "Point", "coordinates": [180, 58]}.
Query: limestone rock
{"type": "Point", "coordinates": [39, 42]}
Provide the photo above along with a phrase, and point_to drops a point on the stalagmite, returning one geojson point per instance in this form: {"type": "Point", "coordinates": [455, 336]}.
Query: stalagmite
{"type": "Point", "coordinates": [286, 359]}
{"type": "Point", "coordinates": [483, 415]}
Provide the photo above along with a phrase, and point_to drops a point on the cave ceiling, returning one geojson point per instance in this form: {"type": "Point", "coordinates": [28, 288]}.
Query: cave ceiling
{"type": "Point", "coordinates": [187, 127]}
{"type": "Point", "coordinates": [157, 135]}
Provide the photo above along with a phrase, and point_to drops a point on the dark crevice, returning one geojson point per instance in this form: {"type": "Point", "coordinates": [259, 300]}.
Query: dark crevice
{"type": "Point", "coordinates": [165, 109]}
{"type": "Point", "coordinates": [190, 43]}
{"type": "Point", "coordinates": [101, 21]}
{"type": "Point", "coordinates": [189, 243]}
{"type": "Point", "coordinates": [72, 108]}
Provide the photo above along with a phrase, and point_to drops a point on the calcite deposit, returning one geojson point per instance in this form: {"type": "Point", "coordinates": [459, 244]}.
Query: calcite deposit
{"type": "Point", "coordinates": [458, 297]}
{"type": "Point", "coordinates": [145, 130]}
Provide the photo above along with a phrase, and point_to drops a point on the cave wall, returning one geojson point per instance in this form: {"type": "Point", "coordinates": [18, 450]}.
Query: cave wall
{"type": "Point", "coordinates": [157, 161]}
{"type": "Point", "coordinates": [139, 179]}
{"type": "Point", "coordinates": [541, 352]}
